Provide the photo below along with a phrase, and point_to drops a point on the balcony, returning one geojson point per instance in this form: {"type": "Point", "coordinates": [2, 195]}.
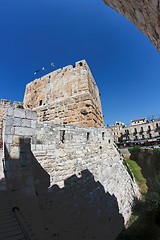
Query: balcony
{"type": "Point", "coordinates": [157, 129]}
{"type": "Point", "coordinates": [141, 131]}
{"type": "Point", "coordinates": [134, 133]}
{"type": "Point", "coordinates": [148, 131]}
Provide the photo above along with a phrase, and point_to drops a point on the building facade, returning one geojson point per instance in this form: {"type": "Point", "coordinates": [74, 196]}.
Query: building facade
{"type": "Point", "coordinates": [140, 131]}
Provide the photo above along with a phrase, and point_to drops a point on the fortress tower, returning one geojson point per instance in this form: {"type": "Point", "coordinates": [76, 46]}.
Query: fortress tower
{"type": "Point", "coordinates": [66, 96]}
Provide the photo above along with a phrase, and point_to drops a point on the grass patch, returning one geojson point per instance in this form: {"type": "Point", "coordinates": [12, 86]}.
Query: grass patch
{"type": "Point", "coordinates": [136, 171]}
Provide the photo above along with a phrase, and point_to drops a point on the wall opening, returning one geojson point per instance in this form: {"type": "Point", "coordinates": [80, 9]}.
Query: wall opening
{"type": "Point", "coordinates": [62, 136]}
{"type": "Point", "coordinates": [40, 102]}
{"type": "Point", "coordinates": [102, 135]}
{"type": "Point", "coordinates": [88, 136]}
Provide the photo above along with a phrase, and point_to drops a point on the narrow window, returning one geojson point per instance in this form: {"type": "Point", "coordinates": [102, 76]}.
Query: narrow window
{"type": "Point", "coordinates": [40, 102]}
{"type": "Point", "coordinates": [81, 64]}
{"type": "Point", "coordinates": [157, 125]}
{"type": "Point", "coordinates": [109, 141]}
{"type": "Point", "coordinates": [62, 135]}
{"type": "Point", "coordinates": [87, 136]}
{"type": "Point", "coordinates": [102, 135]}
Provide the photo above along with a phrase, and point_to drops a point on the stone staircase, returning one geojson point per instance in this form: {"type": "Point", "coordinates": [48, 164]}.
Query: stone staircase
{"type": "Point", "coordinates": [13, 225]}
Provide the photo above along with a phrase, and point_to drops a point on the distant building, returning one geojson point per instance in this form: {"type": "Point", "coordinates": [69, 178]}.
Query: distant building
{"type": "Point", "coordinates": [138, 121]}
{"type": "Point", "coordinates": [140, 131]}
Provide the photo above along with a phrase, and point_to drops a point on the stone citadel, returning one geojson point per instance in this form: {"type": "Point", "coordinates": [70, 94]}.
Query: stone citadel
{"type": "Point", "coordinates": [82, 209]}
{"type": "Point", "coordinates": [66, 96]}
{"type": "Point", "coordinates": [65, 155]}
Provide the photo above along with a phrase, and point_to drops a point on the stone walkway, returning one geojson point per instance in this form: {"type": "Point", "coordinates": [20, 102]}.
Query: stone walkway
{"type": "Point", "coordinates": [13, 225]}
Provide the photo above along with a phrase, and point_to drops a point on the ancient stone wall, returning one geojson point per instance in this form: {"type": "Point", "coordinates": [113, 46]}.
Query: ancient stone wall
{"type": "Point", "coordinates": [4, 104]}
{"type": "Point", "coordinates": [67, 96]}
{"type": "Point", "coordinates": [145, 14]}
{"type": "Point", "coordinates": [63, 151]}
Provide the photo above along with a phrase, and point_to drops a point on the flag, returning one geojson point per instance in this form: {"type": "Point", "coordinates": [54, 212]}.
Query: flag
{"type": "Point", "coordinates": [36, 72]}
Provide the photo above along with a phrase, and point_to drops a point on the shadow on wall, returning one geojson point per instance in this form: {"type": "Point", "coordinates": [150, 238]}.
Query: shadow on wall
{"type": "Point", "coordinates": [23, 171]}
{"type": "Point", "coordinates": [80, 210]}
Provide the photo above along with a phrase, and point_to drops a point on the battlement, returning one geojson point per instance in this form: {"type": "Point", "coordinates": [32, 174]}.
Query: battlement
{"type": "Point", "coordinates": [68, 95]}
{"type": "Point", "coordinates": [8, 103]}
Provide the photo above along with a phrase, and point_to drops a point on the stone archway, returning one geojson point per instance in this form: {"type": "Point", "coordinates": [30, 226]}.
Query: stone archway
{"type": "Point", "coordinates": [145, 14]}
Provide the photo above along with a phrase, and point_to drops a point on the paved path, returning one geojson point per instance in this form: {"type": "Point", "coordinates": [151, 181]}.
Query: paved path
{"type": "Point", "coordinates": [13, 225]}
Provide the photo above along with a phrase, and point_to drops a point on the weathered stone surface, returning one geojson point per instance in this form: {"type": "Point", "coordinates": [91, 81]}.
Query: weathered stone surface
{"type": "Point", "coordinates": [66, 96]}
{"type": "Point", "coordinates": [145, 14]}
{"type": "Point", "coordinates": [63, 151]}
{"type": "Point", "coordinates": [5, 105]}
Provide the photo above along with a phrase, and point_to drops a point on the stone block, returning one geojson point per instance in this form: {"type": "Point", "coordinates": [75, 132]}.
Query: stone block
{"type": "Point", "coordinates": [39, 147]}
{"type": "Point", "coordinates": [19, 113]}
{"type": "Point", "coordinates": [8, 121]}
{"type": "Point", "coordinates": [28, 131]}
{"type": "Point", "coordinates": [26, 123]}
{"type": "Point", "coordinates": [20, 131]}
{"type": "Point", "coordinates": [8, 139]}
{"type": "Point", "coordinates": [30, 114]}
{"type": "Point", "coordinates": [9, 111]}
{"type": "Point", "coordinates": [9, 130]}
{"type": "Point", "coordinates": [17, 122]}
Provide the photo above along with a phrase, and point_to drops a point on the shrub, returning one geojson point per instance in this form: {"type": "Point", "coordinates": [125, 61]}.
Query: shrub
{"type": "Point", "coordinates": [20, 106]}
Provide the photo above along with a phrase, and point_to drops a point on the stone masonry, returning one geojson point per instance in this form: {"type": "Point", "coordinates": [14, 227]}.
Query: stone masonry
{"type": "Point", "coordinates": [4, 104]}
{"type": "Point", "coordinates": [61, 165]}
{"type": "Point", "coordinates": [66, 96]}
{"type": "Point", "coordinates": [62, 151]}
{"type": "Point", "coordinates": [145, 14]}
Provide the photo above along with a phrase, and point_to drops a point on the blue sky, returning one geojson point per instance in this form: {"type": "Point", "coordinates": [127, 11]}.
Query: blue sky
{"type": "Point", "coordinates": [124, 63]}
